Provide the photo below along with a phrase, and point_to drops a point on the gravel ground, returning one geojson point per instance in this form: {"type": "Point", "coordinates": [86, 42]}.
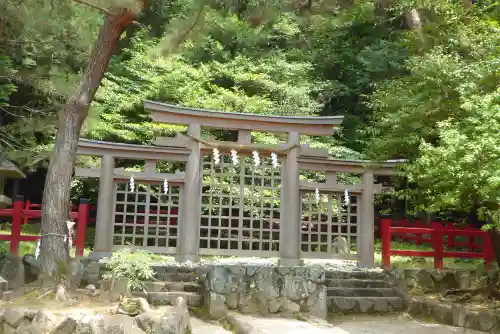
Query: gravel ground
{"type": "Point", "coordinates": [347, 325]}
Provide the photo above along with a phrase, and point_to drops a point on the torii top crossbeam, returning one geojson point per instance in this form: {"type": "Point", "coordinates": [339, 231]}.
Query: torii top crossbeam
{"type": "Point", "coordinates": [171, 114]}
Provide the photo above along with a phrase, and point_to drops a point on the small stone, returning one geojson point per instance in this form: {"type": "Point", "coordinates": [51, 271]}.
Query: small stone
{"type": "Point", "coordinates": [276, 304]}
{"type": "Point", "coordinates": [13, 316]}
{"type": "Point", "coordinates": [425, 280]}
{"type": "Point", "coordinates": [146, 320]}
{"type": "Point", "coordinates": [251, 270]}
{"type": "Point", "coordinates": [67, 326]}
{"type": "Point", "coordinates": [437, 275]}
{"type": "Point", "coordinates": [232, 300]}
{"type": "Point", "coordinates": [12, 270]}
{"type": "Point", "coordinates": [291, 307]}
{"type": "Point", "coordinates": [443, 314]}
{"type": "Point", "coordinates": [44, 320]}
{"type": "Point", "coordinates": [8, 329]}
{"type": "Point", "coordinates": [463, 279]}
{"type": "Point", "coordinates": [459, 315]}
{"type": "Point", "coordinates": [216, 305]}
{"type": "Point", "coordinates": [236, 270]}
{"type": "Point", "coordinates": [175, 322]}
{"type": "Point", "coordinates": [487, 321]}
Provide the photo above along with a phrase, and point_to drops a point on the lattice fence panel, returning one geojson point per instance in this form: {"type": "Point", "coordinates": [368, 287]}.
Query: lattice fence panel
{"type": "Point", "coordinates": [146, 218]}
{"type": "Point", "coordinates": [240, 207]}
{"type": "Point", "coordinates": [324, 222]}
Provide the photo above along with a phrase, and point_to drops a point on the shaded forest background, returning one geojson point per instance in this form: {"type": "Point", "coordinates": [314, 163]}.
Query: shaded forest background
{"type": "Point", "coordinates": [418, 80]}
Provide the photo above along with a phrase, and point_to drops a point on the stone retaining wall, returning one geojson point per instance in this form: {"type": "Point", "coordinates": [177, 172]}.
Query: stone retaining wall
{"type": "Point", "coordinates": [455, 315]}
{"type": "Point", "coordinates": [420, 281]}
{"type": "Point", "coordinates": [265, 290]}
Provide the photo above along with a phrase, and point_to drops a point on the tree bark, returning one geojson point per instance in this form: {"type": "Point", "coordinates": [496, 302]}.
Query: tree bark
{"type": "Point", "coordinates": [56, 195]}
{"type": "Point", "coordinates": [495, 243]}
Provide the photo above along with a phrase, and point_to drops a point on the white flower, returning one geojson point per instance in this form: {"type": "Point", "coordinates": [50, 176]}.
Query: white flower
{"type": "Point", "coordinates": [274, 160]}
{"type": "Point", "coordinates": [256, 158]}
{"type": "Point", "coordinates": [216, 155]}
{"type": "Point", "coordinates": [234, 157]}
{"type": "Point", "coordinates": [165, 187]}
{"type": "Point", "coordinates": [132, 183]}
{"type": "Point", "coordinates": [316, 193]}
{"type": "Point", "coordinates": [346, 197]}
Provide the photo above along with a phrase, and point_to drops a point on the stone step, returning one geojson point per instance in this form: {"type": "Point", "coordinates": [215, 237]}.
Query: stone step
{"type": "Point", "coordinates": [356, 283]}
{"type": "Point", "coordinates": [339, 304]}
{"type": "Point", "coordinates": [358, 274]}
{"type": "Point", "coordinates": [162, 286]}
{"type": "Point", "coordinates": [169, 298]}
{"type": "Point", "coordinates": [177, 277]}
{"type": "Point", "coordinates": [361, 292]}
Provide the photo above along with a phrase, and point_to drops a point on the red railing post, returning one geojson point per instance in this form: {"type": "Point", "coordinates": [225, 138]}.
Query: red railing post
{"type": "Point", "coordinates": [488, 254]}
{"type": "Point", "coordinates": [385, 231]}
{"type": "Point", "coordinates": [17, 220]}
{"type": "Point", "coordinates": [27, 206]}
{"type": "Point", "coordinates": [437, 244]}
{"type": "Point", "coordinates": [81, 226]}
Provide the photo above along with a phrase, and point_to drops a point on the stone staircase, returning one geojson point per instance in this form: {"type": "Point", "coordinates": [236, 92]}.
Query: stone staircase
{"type": "Point", "coordinates": [361, 292]}
{"type": "Point", "coordinates": [171, 283]}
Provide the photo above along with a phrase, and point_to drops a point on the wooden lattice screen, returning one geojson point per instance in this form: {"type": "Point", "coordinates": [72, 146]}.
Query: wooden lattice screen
{"type": "Point", "coordinates": [240, 207]}
{"type": "Point", "coordinates": [146, 218]}
{"type": "Point", "coordinates": [323, 222]}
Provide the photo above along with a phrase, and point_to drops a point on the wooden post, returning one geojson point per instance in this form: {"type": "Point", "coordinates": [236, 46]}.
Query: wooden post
{"type": "Point", "coordinates": [437, 244]}
{"type": "Point", "coordinates": [367, 227]}
{"type": "Point", "coordinates": [105, 201]}
{"type": "Point", "coordinates": [385, 227]}
{"type": "Point", "coordinates": [83, 218]}
{"type": "Point", "coordinates": [17, 218]}
{"type": "Point", "coordinates": [188, 237]}
{"type": "Point", "coordinates": [290, 227]}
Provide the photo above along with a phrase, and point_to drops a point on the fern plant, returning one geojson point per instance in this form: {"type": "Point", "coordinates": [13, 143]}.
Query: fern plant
{"type": "Point", "coordinates": [137, 267]}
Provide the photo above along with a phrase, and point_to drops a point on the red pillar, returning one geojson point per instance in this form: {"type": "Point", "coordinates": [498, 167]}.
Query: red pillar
{"type": "Point", "coordinates": [385, 231]}
{"type": "Point", "coordinates": [17, 220]}
{"type": "Point", "coordinates": [81, 226]}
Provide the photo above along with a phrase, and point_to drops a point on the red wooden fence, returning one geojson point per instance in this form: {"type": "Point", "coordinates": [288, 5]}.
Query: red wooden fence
{"type": "Point", "coordinates": [19, 214]}
{"type": "Point", "coordinates": [420, 239]}
{"type": "Point", "coordinates": [436, 232]}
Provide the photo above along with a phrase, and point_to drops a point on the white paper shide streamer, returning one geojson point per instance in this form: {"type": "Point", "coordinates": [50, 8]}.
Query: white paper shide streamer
{"type": "Point", "coordinates": [37, 251]}
{"type": "Point", "coordinates": [165, 186]}
{"type": "Point", "coordinates": [256, 158]}
{"type": "Point", "coordinates": [216, 156]}
{"type": "Point", "coordinates": [70, 226]}
{"type": "Point", "coordinates": [132, 183]}
{"type": "Point", "coordinates": [234, 157]}
{"type": "Point", "coordinates": [346, 197]}
{"type": "Point", "coordinates": [274, 159]}
{"type": "Point", "coordinates": [316, 194]}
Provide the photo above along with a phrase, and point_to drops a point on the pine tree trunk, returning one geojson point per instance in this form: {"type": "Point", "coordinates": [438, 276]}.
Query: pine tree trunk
{"type": "Point", "coordinates": [55, 204]}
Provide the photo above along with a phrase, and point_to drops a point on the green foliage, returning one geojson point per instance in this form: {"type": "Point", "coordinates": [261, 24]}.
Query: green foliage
{"type": "Point", "coordinates": [44, 45]}
{"type": "Point", "coordinates": [134, 266]}
{"type": "Point", "coordinates": [443, 116]}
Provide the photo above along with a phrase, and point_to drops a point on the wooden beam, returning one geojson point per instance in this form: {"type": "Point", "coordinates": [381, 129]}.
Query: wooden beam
{"type": "Point", "coordinates": [132, 151]}
{"type": "Point", "coordinates": [338, 188]}
{"type": "Point", "coordinates": [209, 144]}
{"type": "Point", "coordinates": [171, 114]}
{"type": "Point", "coordinates": [122, 174]}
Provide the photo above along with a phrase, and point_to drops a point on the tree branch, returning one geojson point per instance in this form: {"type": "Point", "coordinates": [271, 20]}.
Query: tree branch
{"type": "Point", "coordinates": [102, 10]}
